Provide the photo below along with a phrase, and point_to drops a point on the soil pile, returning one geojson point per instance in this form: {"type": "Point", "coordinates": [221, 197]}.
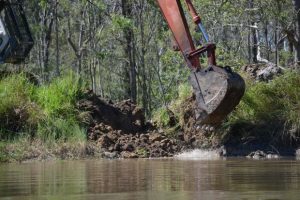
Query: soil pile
{"type": "Point", "coordinates": [123, 116]}
{"type": "Point", "coordinates": [120, 130]}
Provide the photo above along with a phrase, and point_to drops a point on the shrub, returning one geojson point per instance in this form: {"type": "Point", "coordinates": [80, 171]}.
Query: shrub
{"type": "Point", "coordinates": [52, 129]}
{"type": "Point", "coordinates": [165, 116]}
{"type": "Point", "coordinates": [59, 97]}
{"type": "Point", "coordinates": [58, 100]}
{"type": "Point", "coordinates": [17, 112]}
{"type": "Point", "coordinates": [48, 111]}
{"type": "Point", "coordinates": [272, 105]}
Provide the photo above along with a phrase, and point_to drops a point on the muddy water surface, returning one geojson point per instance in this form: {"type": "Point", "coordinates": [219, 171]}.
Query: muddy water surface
{"type": "Point", "coordinates": [152, 179]}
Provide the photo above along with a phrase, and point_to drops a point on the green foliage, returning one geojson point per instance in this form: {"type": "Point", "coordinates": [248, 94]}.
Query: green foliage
{"type": "Point", "coordinates": [59, 97]}
{"type": "Point", "coordinates": [15, 92]}
{"type": "Point", "coordinates": [48, 112]}
{"type": "Point", "coordinates": [58, 101]}
{"type": "Point", "coordinates": [52, 129]}
{"type": "Point", "coordinates": [184, 92]}
{"type": "Point", "coordinates": [275, 102]}
{"type": "Point", "coordinates": [163, 115]}
{"type": "Point", "coordinates": [17, 112]}
{"type": "Point", "coordinates": [121, 22]}
{"type": "Point", "coordinates": [230, 58]}
{"type": "Point", "coordinates": [285, 57]}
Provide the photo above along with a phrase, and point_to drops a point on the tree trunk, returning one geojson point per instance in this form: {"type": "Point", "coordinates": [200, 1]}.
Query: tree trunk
{"type": "Point", "coordinates": [255, 43]}
{"type": "Point", "coordinates": [128, 50]}
{"type": "Point", "coordinates": [266, 34]}
{"type": "Point", "coordinates": [297, 47]}
{"type": "Point", "coordinates": [253, 32]}
{"type": "Point", "coordinates": [143, 53]}
{"type": "Point", "coordinates": [276, 44]}
{"type": "Point", "coordinates": [57, 69]}
{"type": "Point", "coordinates": [47, 24]}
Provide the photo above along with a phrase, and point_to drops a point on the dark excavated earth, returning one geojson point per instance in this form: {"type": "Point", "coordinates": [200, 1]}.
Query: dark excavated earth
{"type": "Point", "coordinates": [121, 130]}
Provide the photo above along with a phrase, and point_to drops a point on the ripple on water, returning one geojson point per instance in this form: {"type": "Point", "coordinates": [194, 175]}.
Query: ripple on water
{"type": "Point", "coordinates": [199, 154]}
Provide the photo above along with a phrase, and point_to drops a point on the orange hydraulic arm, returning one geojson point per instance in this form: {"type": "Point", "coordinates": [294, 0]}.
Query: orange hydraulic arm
{"type": "Point", "coordinates": [174, 15]}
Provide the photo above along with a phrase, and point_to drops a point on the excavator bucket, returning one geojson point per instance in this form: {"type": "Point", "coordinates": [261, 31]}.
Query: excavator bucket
{"type": "Point", "coordinates": [218, 91]}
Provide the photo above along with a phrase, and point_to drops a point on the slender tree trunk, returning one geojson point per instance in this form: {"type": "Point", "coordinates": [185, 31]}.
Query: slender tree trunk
{"type": "Point", "coordinates": [130, 70]}
{"type": "Point", "coordinates": [266, 32]}
{"type": "Point", "coordinates": [276, 44]}
{"type": "Point", "coordinates": [78, 49]}
{"type": "Point", "coordinates": [250, 5]}
{"type": "Point", "coordinates": [47, 24]}
{"type": "Point", "coordinates": [143, 53]}
{"type": "Point", "coordinates": [255, 43]}
{"type": "Point", "coordinates": [297, 46]}
{"type": "Point", "coordinates": [249, 46]}
{"type": "Point", "coordinates": [57, 69]}
{"type": "Point", "coordinates": [100, 81]}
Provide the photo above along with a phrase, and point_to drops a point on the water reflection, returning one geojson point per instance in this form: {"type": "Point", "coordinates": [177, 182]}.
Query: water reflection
{"type": "Point", "coordinates": [152, 179]}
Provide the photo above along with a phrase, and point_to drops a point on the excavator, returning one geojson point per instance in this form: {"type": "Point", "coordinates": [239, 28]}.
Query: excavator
{"type": "Point", "coordinates": [218, 90]}
{"type": "Point", "coordinates": [15, 37]}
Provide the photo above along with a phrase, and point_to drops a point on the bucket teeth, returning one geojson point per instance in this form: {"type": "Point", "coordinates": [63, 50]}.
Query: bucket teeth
{"type": "Point", "coordinates": [218, 91]}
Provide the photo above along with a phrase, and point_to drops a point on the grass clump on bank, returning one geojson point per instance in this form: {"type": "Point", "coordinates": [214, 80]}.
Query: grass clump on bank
{"type": "Point", "coordinates": [269, 112]}
{"type": "Point", "coordinates": [17, 111]}
{"type": "Point", "coordinates": [45, 112]}
{"type": "Point", "coordinates": [171, 115]}
{"type": "Point", "coordinates": [58, 102]}
{"type": "Point", "coordinates": [23, 149]}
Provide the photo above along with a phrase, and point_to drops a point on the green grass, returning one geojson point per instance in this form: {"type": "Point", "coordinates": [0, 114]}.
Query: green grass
{"type": "Point", "coordinates": [59, 97]}
{"type": "Point", "coordinates": [268, 111]}
{"type": "Point", "coordinates": [47, 112]}
{"type": "Point", "coordinates": [162, 115]}
{"type": "Point", "coordinates": [17, 111]}
{"type": "Point", "coordinates": [58, 101]}
{"type": "Point", "coordinates": [272, 106]}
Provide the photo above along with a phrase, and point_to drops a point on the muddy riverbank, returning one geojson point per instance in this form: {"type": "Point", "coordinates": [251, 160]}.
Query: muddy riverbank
{"type": "Point", "coordinates": [121, 131]}
{"type": "Point", "coordinates": [82, 125]}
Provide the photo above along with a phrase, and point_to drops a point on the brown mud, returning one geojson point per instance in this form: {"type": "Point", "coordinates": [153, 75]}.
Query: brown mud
{"type": "Point", "coordinates": [121, 131]}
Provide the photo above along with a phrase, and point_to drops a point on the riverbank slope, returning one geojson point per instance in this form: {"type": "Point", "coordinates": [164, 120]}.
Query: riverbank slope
{"type": "Point", "coordinates": [63, 120]}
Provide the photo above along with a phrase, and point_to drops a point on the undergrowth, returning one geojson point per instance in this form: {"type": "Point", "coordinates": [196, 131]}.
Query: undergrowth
{"type": "Point", "coordinates": [269, 111]}
{"type": "Point", "coordinates": [25, 148]}
{"type": "Point", "coordinates": [164, 115]}
{"type": "Point", "coordinates": [46, 112]}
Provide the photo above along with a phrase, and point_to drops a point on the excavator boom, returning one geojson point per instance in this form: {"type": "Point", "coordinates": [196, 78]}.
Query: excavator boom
{"type": "Point", "coordinates": [218, 90]}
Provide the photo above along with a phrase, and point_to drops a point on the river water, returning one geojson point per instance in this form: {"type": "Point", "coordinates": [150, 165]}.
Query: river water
{"type": "Point", "coordinates": [186, 177]}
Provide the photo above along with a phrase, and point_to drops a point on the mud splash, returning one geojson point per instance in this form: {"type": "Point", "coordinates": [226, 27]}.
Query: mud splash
{"type": "Point", "coordinates": [199, 154]}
